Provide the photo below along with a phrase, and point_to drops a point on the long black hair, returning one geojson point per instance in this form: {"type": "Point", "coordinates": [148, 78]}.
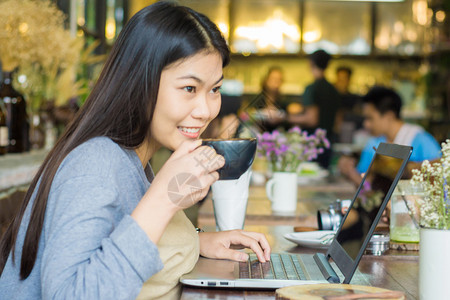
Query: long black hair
{"type": "Point", "coordinates": [121, 104]}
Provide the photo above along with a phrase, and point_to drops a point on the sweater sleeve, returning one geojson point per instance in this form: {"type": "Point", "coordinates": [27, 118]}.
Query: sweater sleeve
{"type": "Point", "coordinates": [89, 255]}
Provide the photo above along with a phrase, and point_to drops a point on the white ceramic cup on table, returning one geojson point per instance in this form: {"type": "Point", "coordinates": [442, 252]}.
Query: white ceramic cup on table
{"type": "Point", "coordinates": [230, 199]}
{"type": "Point", "coordinates": [281, 190]}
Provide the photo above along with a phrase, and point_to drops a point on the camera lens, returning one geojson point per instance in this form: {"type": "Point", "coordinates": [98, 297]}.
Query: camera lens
{"type": "Point", "coordinates": [328, 220]}
{"type": "Point", "coordinates": [324, 220]}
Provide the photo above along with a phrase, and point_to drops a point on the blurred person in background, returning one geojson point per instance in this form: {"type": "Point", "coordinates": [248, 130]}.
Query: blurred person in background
{"type": "Point", "coordinates": [269, 103]}
{"type": "Point", "coordinates": [321, 101]}
{"type": "Point", "coordinates": [350, 113]}
{"type": "Point", "coordinates": [382, 119]}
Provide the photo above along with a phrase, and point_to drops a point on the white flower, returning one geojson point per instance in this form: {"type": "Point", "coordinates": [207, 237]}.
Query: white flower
{"type": "Point", "coordinates": [435, 179]}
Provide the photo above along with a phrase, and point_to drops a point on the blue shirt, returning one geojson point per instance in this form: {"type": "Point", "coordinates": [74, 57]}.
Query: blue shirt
{"type": "Point", "coordinates": [425, 147]}
{"type": "Point", "coordinates": [90, 246]}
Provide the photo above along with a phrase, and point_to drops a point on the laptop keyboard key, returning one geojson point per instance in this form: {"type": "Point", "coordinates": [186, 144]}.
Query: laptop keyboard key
{"type": "Point", "coordinates": [267, 270]}
{"type": "Point", "coordinates": [255, 269]}
{"type": "Point", "coordinates": [299, 269]}
{"type": "Point", "coordinates": [277, 267]}
{"type": "Point", "coordinates": [291, 273]}
{"type": "Point", "coordinates": [244, 270]}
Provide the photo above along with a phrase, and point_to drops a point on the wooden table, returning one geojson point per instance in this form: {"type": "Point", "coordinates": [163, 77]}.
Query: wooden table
{"type": "Point", "coordinates": [393, 270]}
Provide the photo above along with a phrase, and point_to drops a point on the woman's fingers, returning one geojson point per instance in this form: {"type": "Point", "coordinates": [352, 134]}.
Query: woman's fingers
{"type": "Point", "coordinates": [262, 240]}
{"type": "Point", "coordinates": [207, 159]}
{"type": "Point", "coordinates": [238, 238]}
{"type": "Point", "coordinates": [212, 177]}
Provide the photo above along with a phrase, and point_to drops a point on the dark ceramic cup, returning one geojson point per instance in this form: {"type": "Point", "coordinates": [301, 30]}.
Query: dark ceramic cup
{"type": "Point", "coordinates": [238, 154]}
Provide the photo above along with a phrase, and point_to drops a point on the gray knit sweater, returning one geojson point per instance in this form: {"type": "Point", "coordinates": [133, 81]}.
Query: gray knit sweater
{"type": "Point", "coordinates": [90, 247]}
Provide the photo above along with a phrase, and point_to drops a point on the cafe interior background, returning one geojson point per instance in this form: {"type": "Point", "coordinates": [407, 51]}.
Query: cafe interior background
{"type": "Point", "coordinates": [400, 44]}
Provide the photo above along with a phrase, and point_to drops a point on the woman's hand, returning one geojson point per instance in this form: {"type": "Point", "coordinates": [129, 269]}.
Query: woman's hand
{"type": "Point", "coordinates": [183, 180]}
{"type": "Point", "coordinates": [222, 244]}
{"type": "Point", "coordinates": [188, 174]}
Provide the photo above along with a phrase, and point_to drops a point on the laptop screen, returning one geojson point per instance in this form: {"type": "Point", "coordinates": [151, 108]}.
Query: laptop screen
{"type": "Point", "coordinates": [367, 203]}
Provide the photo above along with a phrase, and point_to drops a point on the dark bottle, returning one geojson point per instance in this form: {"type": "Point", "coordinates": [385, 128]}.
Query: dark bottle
{"type": "Point", "coordinates": [4, 136]}
{"type": "Point", "coordinates": [16, 116]}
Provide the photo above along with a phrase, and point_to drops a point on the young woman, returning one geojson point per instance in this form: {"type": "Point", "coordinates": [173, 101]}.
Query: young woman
{"type": "Point", "coordinates": [94, 215]}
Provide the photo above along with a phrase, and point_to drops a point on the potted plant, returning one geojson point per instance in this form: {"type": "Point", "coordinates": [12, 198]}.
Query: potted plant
{"type": "Point", "coordinates": [434, 209]}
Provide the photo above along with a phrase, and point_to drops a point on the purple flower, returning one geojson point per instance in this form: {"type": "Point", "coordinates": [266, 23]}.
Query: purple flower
{"type": "Point", "coordinates": [266, 136]}
{"type": "Point", "coordinates": [284, 148]}
{"type": "Point", "coordinates": [295, 129]}
{"type": "Point", "coordinates": [275, 133]}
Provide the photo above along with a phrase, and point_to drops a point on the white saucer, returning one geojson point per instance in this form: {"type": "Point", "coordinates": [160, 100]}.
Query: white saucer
{"type": "Point", "coordinates": [307, 178]}
{"type": "Point", "coordinates": [312, 239]}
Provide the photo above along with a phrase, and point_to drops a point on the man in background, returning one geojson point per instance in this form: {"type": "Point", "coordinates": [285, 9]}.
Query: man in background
{"type": "Point", "coordinates": [321, 101]}
{"type": "Point", "coordinates": [381, 110]}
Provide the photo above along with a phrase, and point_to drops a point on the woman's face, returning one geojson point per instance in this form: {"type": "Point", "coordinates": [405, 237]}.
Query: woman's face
{"type": "Point", "coordinates": [274, 80]}
{"type": "Point", "coordinates": [188, 99]}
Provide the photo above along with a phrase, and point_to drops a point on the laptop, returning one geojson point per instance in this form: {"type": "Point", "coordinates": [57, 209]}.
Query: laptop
{"type": "Point", "coordinates": [341, 260]}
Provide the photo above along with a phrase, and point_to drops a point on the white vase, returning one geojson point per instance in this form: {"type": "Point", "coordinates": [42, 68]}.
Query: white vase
{"type": "Point", "coordinates": [281, 190]}
{"type": "Point", "coordinates": [434, 264]}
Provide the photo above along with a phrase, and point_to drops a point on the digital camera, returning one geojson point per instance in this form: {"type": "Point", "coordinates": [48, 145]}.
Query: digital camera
{"type": "Point", "coordinates": [331, 218]}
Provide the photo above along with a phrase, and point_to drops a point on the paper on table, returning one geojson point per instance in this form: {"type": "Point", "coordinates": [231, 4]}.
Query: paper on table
{"type": "Point", "coordinates": [230, 202]}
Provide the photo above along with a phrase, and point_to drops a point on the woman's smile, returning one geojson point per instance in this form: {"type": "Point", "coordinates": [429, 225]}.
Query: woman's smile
{"type": "Point", "coordinates": [190, 132]}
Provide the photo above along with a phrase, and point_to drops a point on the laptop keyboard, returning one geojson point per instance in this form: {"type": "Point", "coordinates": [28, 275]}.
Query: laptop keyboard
{"type": "Point", "coordinates": [280, 266]}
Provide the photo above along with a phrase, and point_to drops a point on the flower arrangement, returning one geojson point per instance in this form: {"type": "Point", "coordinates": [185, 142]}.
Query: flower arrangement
{"type": "Point", "coordinates": [33, 31]}
{"type": "Point", "coordinates": [34, 41]}
{"type": "Point", "coordinates": [434, 179]}
{"type": "Point", "coordinates": [286, 150]}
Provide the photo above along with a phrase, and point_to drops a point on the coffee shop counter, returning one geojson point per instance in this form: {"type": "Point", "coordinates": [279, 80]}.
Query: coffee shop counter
{"type": "Point", "coordinates": [16, 173]}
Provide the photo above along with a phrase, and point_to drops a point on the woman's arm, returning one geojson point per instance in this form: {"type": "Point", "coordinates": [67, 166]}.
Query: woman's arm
{"type": "Point", "coordinates": [93, 250]}
{"type": "Point", "coordinates": [309, 118]}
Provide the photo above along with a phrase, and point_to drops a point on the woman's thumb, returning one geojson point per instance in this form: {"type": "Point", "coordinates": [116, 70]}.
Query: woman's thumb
{"type": "Point", "coordinates": [234, 255]}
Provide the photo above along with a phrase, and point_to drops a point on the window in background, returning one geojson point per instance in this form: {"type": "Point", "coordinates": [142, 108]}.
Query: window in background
{"type": "Point", "coordinates": [400, 27]}
{"type": "Point", "coordinates": [217, 11]}
{"type": "Point", "coordinates": [89, 14]}
{"type": "Point", "coordinates": [114, 19]}
{"type": "Point", "coordinates": [337, 27]}
{"type": "Point", "coordinates": [80, 16]}
{"type": "Point", "coordinates": [266, 26]}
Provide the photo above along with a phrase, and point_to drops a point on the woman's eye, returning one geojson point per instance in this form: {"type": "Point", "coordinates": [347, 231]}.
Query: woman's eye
{"type": "Point", "coordinates": [216, 89]}
{"type": "Point", "coordinates": [189, 89]}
